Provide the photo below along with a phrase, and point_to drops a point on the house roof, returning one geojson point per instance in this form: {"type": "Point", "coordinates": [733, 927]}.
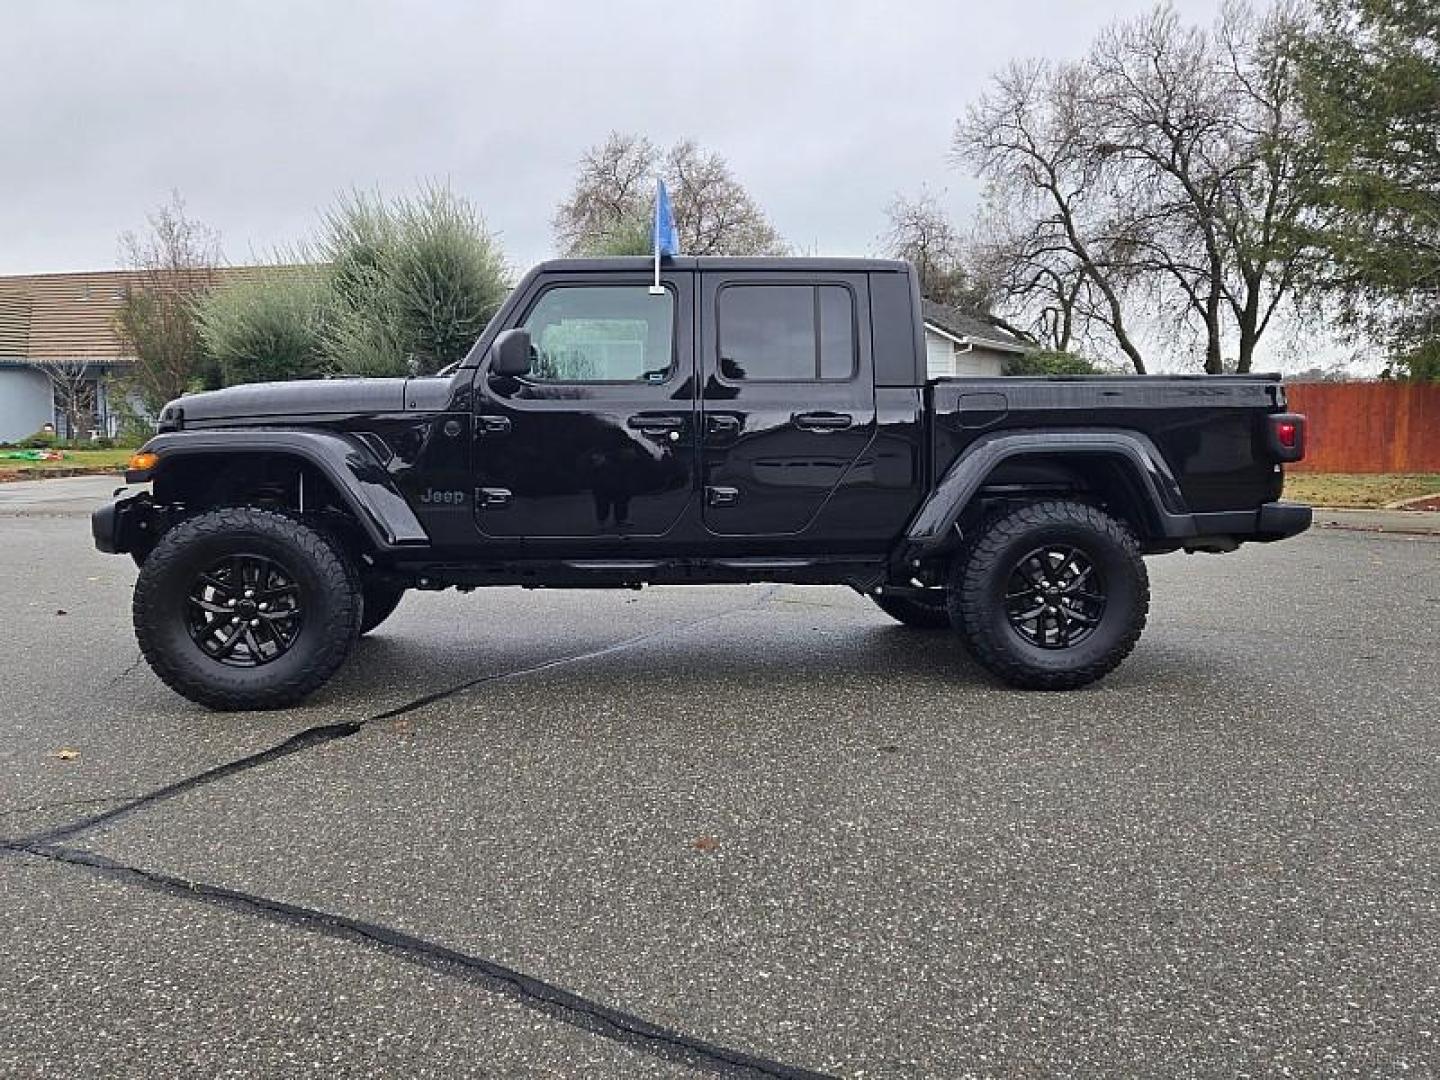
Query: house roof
{"type": "Point", "coordinates": [967, 329]}
{"type": "Point", "coordinates": [44, 316]}
{"type": "Point", "coordinates": [52, 316]}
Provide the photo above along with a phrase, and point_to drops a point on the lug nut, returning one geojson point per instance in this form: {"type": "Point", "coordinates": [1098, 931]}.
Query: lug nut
{"type": "Point", "coordinates": [254, 622]}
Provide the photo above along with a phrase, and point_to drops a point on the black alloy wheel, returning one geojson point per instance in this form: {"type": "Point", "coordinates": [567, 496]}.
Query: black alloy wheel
{"type": "Point", "coordinates": [245, 611]}
{"type": "Point", "coordinates": [1055, 597]}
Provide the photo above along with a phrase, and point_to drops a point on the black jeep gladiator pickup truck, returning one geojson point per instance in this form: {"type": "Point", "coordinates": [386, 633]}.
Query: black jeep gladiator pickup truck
{"type": "Point", "coordinates": [749, 420]}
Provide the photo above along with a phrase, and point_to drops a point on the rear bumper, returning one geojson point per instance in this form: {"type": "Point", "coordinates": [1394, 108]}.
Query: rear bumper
{"type": "Point", "coordinates": [1279, 520]}
{"type": "Point", "coordinates": [1270, 521]}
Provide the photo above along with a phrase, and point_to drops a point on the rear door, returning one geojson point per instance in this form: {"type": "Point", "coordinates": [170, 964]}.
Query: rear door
{"type": "Point", "coordinates": [599, 439]}
{"type": "Point", "coordinates": [787, 396]}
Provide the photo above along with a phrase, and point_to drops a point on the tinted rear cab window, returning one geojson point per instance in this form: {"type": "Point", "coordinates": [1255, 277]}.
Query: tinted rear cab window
{"type": "Point", "coordinates": [786, 333]}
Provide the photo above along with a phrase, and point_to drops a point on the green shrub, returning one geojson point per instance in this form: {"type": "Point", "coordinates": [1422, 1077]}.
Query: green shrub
{"type": "Point", "coordinates": [266, 328]}
{"type": "Point", "coordinates": [41, 440]}
{"type": "Point", "coordinates": [1047, 362]}
{"type": "Point", "coordinates": [413, 283]}
{"type": "Point", "coordinates": [402, 286]}
{"type": "Point", "coordinates": [133, 426]}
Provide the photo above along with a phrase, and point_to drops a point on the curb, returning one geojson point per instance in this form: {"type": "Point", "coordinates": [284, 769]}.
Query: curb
{"type": "Point", "coordinates": [1406, 504]}
{"type": "Point", "coordinates": [1396, 522]}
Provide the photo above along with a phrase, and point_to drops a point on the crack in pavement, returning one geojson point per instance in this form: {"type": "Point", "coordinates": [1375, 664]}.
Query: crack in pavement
{"type": "Point", "coordinates": [130, 670]}
{"type": "Point", "coordinates": [551, 1000]}
{"type": "Point", "coordinates": [324, 733]}
{"type": "Point", "coordinates": [37, 808]}
{"type": "Point", "coordinates": [554, 1001]}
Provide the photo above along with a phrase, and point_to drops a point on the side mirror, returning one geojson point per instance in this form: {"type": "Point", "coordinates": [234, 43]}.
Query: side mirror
{"type": "Point", "coordinates": [510, 354]}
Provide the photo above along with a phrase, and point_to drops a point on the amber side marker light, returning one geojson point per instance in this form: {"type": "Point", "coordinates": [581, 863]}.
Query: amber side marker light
{"type": "Point", "coordinates": [142, 462]}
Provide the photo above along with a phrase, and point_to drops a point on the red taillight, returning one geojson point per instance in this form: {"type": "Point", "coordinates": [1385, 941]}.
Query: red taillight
{"type": "Point", "coordinates": [1287, 436]}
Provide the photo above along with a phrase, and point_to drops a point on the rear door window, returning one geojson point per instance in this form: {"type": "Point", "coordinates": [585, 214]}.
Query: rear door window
{"type": "Point", "coordinates": [786, 333]}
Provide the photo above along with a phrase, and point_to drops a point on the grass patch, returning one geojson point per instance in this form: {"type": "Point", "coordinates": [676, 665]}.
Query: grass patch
{"type": "Point", "coordinates": [87, 460]}
{"type": "Point", "coordinates": [1359, 490]}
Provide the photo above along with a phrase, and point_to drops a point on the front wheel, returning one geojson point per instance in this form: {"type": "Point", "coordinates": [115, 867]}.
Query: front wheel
{"type": "Point", "coordinates": [1051, 595]}
{"type": "Point", "coordinates": [242, 608]}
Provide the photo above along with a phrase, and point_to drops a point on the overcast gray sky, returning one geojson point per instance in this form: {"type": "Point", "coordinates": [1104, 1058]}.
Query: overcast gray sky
{"type": "Point", "coordinates": [259, 113]}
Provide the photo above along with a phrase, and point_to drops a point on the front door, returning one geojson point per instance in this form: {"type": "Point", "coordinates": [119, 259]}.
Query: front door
{"type": "Point", "coordinates": [788, 397]}
{"type": "Point", "coordinates": [599, 439]}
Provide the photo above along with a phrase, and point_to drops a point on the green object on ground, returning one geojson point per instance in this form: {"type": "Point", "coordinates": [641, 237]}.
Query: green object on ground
{"type": "Point", "coordinates": [29, 455]}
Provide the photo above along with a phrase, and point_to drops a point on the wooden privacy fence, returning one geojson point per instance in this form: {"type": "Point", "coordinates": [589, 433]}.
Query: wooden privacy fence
{"type": "Point", "coordinates": [1371, 427]}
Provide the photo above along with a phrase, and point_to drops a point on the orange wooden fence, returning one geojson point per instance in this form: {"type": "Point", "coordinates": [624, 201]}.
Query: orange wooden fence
{"type": "Point", "coordinates": [1371, 427]}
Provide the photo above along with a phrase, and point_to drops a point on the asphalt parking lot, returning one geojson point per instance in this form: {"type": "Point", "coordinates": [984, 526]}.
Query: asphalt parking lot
{"type": "Point", "coordinates": [755, 831]}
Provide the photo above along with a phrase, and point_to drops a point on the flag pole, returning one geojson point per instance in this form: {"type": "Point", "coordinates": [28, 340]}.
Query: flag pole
{"type": "Point", "coordinates": [656, 288]}
{"type": "Point", "coordinates": [661, 203]}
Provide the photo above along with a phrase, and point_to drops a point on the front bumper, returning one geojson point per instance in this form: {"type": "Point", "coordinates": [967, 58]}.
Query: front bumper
{"type": "Point", "coordinates": [125, 525]}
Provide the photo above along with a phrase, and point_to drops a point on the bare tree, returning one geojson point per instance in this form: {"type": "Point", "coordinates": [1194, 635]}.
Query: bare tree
{"type": "Point", "coordinates": [1155, 181]}
{"type": "Point", "coordinates": [1206, 125]}
{"type": "Point", "coordinates": [920, 233]}
{"type": "Point", "coordinates": [714, 214]}
{"type": "Point", "coordinates": [1028, 139]}
{"type": "Point", "coordinates": [1045, 289]}
{"type": "Point", "coordinates": [608, 211]}
{"type": "Point", "coordinates": [72, 381]}
{"type": "Point", "coordinates": [174, 267]}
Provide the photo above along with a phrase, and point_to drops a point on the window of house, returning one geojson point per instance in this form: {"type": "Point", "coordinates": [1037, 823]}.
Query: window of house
{"type": "Point", "coordinates": [602, 333]}
{"type": "Point", "coordinates": [794, 333]}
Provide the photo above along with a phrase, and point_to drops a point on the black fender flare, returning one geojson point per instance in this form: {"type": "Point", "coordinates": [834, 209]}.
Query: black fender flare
{"type": "Point", "coordinates": [346, 462]}
{"type": "Point", "coordinates": [933, 524]}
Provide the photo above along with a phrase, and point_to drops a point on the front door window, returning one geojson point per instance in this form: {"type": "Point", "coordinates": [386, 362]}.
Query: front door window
{"type": "Point", "coordinates": [602, 334]}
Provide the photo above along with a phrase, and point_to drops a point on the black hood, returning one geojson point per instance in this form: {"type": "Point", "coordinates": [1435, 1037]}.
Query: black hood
{"type": "Point", "coordinates": [309, 397]}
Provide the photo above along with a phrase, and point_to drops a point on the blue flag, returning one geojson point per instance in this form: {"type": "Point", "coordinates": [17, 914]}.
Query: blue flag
{"type": "Point", "coordinates": [667, 240]}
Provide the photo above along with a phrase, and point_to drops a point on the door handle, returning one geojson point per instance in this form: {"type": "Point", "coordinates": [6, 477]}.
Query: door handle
{"type": "Point", "coordinates": [655, 425]}
{"type": "Point", "coordinates": [493, 498]}
{"type": "Point", "coordinates": [822, 421]}
{"type": "Point", "coordinates": [722, 427]}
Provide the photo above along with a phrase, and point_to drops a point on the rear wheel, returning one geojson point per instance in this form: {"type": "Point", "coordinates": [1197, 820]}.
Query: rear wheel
{"type": "Point", "coordinates": [916, 612]}
{"type": "Point", "coordinates": [1052, 595]}
{"type": "Point", "coordinates": [242, 608]}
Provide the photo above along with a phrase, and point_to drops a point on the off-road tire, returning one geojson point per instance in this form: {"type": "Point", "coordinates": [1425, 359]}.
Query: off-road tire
{"type": "Point", "coordinates": [381, 600]}
{"type": "Point", "coordinates": [915, 613]}
{"type": "Point", "coordinates": [329, 592]}
{"type": "Point", "coordinates": [981, 574]}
